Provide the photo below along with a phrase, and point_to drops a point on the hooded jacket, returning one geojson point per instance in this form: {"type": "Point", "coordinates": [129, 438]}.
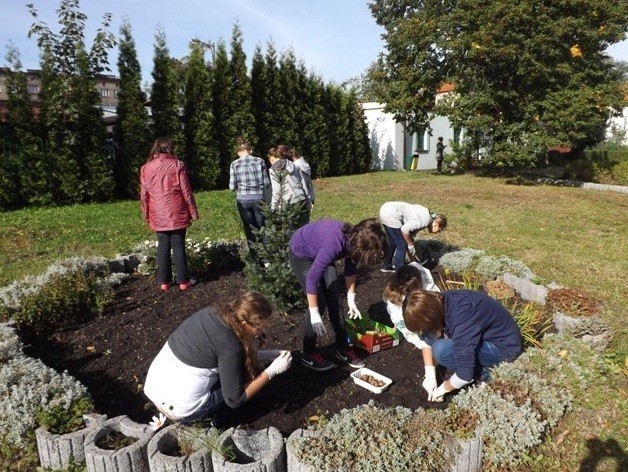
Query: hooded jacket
{"type": "Point", "coordinates": [294, 187]}
{"type": "Point", "coordinates": [166, 195]}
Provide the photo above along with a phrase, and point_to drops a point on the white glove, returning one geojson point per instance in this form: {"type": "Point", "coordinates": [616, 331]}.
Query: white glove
{"type": "Point", "coordinates": [317, 321]}
{"type": "Point", "coordinates": [412, 251]}
{"type": "Point", "coordinates": [267, 355]}
{"type": "Point", "coordinates": [438, 394]}
{"type": "Point", "coordinates": [279, 365]}
{"type": "Point", "coordinates": [354, 313]}
{"type": "Point", "coordinates": [430, 383]}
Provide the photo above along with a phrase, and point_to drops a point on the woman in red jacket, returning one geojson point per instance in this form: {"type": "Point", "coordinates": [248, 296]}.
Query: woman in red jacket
{"type": "Point", "coordinates": [168, 207]}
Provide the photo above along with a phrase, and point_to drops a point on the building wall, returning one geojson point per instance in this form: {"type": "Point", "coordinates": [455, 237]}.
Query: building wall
{"type": "Point", "coordinates": [106, 85]}
{"type": "Point", "coordinates": [393, 148]}
{"type": "Point", "coordinates": [618, 128]}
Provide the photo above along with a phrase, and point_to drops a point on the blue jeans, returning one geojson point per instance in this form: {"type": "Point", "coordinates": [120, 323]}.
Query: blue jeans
{"type": "Point", "coordinates": [208, 409]}
{"type": "Point", "coordinates": [328, 296]}
{"type": "Point", "coordinates": [486, 355]}
{"type": "Point", "coordinates": [252, 218]}
{"type": "Point", "coordinates": [174, 241]}
{"type": "Point", "coordinates": [396, 246]}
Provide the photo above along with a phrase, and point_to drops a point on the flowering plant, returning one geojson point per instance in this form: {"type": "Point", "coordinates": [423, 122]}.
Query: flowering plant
{"type": "Point", "coordinates": [201, 254]}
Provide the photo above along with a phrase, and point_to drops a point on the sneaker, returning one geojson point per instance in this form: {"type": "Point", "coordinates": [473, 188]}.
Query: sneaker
{"type": "Point", "coordinates": [387, 269]}
{"type": "Point", "coordinates": [348, 356]}
{"type": "Point", "coordinates": [164, 287]}
{"type": "Point", "coordinates": [316, 362]}
{"type": "Point", "coordinates": [188, 284]}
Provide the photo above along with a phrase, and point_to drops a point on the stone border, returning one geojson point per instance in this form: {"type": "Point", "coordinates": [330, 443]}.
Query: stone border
{"type": "Point", "coordinates": [132, 458]}
{"type": "Point", "coordinates": [158, 461]}
{"type": "Point", "coordinates": [256, 451]}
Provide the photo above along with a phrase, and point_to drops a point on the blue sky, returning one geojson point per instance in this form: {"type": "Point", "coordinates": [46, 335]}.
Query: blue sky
{"type": "Point", "coordinates": [337, 39]}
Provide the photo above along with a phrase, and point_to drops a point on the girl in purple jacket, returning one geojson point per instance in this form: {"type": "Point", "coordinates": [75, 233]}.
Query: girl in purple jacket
{"type": "Point", "coordinates": [314, 250]}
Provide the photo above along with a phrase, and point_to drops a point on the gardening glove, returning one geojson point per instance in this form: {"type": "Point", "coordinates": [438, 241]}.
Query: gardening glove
{"type": "Point", "coordinates": [267, 355]}
{"type": "Point", "coordinates": [430, 383]}
{"type": "Point", "coordinates": [279, 365]}
{"type": "Point", "coordinates": [438, 394]}
{"type": "Point", "coordinates": [317, 321]}
{"type": "Point", "coordinates": [412, 251]}
{"type": "Point", "coordinates": [354, 313]}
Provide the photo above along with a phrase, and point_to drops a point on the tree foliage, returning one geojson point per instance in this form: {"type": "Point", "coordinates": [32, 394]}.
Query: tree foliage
{"type": "Point", "coordinates": [77, 164]}
{"type": "Point", "coordinates": [64, 156]}
{"type": "Point", "coordinates": [533, 73]}
{"type": "Point", "coordinates": [201, 154]}
{"type": "Point", "coordinates": [164, 97]}
{"type": "Point", "coordinates": [132, 133]}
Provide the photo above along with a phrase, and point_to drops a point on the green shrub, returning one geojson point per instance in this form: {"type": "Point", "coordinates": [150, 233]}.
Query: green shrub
{"type": "Point", "coordinates": [490, 267]}
{"type": "Point", "coordinates": [63, 419]}
{"type": "Point", "coordinates": [201, 255]}
{"type": "Point", "coordinates": [28, 387]}
{"type": "Point", "coordinates": [369, 437]}
{"type": "Point", "coordinates": [269, 272]}
{"type": "Point", "coordinates": [67, 298]}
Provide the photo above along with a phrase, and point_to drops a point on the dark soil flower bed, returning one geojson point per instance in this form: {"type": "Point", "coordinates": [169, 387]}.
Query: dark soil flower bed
{"type": "Point", "coordinates": [111, 354]}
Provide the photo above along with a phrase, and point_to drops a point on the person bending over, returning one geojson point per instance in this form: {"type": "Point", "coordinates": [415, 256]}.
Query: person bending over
{"type": "Point", "coordinates": [469, 332]}
{"type": "Point", "coordinates": [211, 360]}
{"type": "Point", "coordinates": [407, 279]}
{"type": "Point", "coordinates": [313, 251]}
{"type": "Point", "coordinates": [401, 222]}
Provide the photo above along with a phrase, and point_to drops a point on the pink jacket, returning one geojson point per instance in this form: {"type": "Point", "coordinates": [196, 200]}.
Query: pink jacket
{"type": "Point", "coordinates": [166, 194]}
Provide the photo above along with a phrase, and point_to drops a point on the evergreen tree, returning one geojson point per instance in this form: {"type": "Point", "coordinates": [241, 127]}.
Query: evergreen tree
{"type": "Point", "coordinates": [164, 94]}
{"type": "Point", "coordinates": [202, 157]}
{"type": "Point", "coordinates": [19, 139]}
{"type": "Point", "coordinates": [275, 278]}
{"type": "Point", "coordinates": [221, 84]}
{"type": "Point", "coordinates": [274, 123]}
{"type": "Point", "coordinates": [95, 166]}
{"type": "Point", "coordinates": [314, 138]}
{"type": "Point", "coordinates": [337, 130]}
{"type": "Point", "coordinates": [261, 101]}
{"type": "Point", "coordinates": [132, 134]}
{"type": "Point", "coordinates": [288, 108]}
{"type": "Point", "coordinates": [79, 170]}
{"type": "Point", "coordinates": [241, 120]}
{"type": "Point", "coordinates": [360, 154]}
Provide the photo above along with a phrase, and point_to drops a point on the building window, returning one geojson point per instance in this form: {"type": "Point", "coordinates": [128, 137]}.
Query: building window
{"type": "Point", "coordinates": [33, 89]}
{"type": "Point", "coordinates": [457, 135]}
{"type": "Point", "coordinates": [104, 93]}
{"type": "Point", "coordinates": [115, 93]}
{"type": "Point", "coordinates": [422, 143]}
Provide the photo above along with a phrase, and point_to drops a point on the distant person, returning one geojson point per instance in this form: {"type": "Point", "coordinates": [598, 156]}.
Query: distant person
{"type": "Point", "coordinates": [288, 186]}
{"type": "Point", "coordinates": [168, 207]}
{"type": "Point", "coordinates": [249, 179]}
{"type": "Point", "coordinates": [306, 173]}
{"type": "Point", "coordinates": [211, 360]}
{"type": "Point", "coordinates": [440, 153]}
{"type": "Point", "coordinates": [314, 250]}
{"type": "Point", "coordinates": [401, 222]}
{"type": "Point", "coordinates": [469, 332]}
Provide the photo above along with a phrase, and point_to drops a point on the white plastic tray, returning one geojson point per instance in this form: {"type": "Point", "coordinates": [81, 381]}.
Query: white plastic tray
{"type": "Point", "coordinates": [364, 371]}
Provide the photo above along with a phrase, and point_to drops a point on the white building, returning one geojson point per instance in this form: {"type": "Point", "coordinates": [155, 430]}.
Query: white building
{"type": "Point", "coordinates": [393, 147]}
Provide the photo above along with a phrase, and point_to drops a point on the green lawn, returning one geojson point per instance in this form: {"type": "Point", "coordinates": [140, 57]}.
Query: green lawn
{"type": "Point", "coordinates": [574, 237]}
